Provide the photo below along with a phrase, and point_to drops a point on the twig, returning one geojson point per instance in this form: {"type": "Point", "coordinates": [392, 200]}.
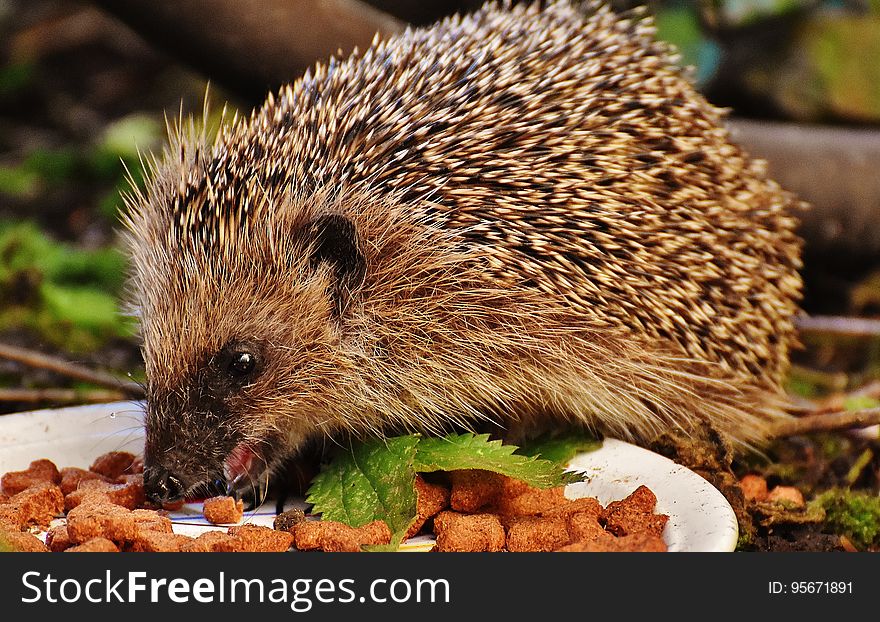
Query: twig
{"type": "Point", "coordinates": [61, 396]}
{"type": "Point", "coordinates": [72, 370]}
{"type": "Point", "coordinates": [839, 325]}
{"type": "Point", "coordinates": [823, 423]}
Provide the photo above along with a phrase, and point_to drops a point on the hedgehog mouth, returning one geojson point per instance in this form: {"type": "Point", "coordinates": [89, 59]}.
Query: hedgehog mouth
{"type": "Point", "coordinates": [246, 473]}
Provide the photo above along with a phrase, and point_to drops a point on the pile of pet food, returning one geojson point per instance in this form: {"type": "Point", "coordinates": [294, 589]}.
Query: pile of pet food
{"type": "Point", "coordinates": [104, 510]}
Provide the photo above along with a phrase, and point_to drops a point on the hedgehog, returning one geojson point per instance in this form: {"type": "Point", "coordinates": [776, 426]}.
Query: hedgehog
{"type": "Point", "coordinates": [525, 216]}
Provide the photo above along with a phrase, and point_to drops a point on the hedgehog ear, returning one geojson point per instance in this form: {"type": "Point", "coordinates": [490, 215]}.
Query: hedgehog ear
{"type": "Point", "coordinates": [333, 240]}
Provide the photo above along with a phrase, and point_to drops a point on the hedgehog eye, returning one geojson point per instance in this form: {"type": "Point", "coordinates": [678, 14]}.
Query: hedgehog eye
{"type": "Point", "coordinates": [241, 364]}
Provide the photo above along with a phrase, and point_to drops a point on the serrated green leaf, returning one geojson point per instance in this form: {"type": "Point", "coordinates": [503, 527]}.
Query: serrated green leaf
{"type": "Point", "coordinates": [373, 480]}
{"type": "Point", "coordinates": [560, 449]}
{"type": "Point", "coordinates": [469, 451]}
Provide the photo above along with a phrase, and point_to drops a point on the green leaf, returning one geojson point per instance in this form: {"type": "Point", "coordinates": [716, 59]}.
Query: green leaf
{"type": "Point", "coordinates": [560, 449]}
{"type": "Point", "coordinates": [373, 480]}
{"type": "Point", "coordinates": [124, 137]}
{"type": "Point", "coordinates": [469, 451]}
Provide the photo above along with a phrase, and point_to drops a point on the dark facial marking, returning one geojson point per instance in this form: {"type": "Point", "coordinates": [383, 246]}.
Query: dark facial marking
{"type": "Point", "coordinates": [334, 240]}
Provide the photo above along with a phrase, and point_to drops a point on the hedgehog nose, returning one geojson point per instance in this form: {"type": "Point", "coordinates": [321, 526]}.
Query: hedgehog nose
{"type": "Point", "coordinates": [161, 486]}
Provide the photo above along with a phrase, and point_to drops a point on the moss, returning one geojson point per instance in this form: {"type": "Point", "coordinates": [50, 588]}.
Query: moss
{"type": "Point", "coordinates": [745, 541]}
{"type": "Point", "coordinates": [855, 515]}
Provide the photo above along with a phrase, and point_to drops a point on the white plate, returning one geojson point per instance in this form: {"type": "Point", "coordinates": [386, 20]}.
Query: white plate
{"type": "Point", "coordinates": [700, 518]}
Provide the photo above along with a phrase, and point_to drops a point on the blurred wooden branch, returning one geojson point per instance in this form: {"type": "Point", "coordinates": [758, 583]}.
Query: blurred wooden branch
{"type": "Point", "coordinates": [252, 47]}
{"type": "Point", "coordinates": [120, 388]}
{"type": "Point", "coordinates": [835, 169]}
{"type": "Point", "coordinates": [826, 422]}
{"type": "Point", "coordinates": [61, 396]}
{"type": "Point", "coordinates": [839, 325]}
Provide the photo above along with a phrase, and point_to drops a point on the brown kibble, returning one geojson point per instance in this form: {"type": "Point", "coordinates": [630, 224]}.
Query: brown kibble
{"type": "Point", "coordinates": [92, 520]}
{"type": "Point", "coordinates": [36, 505]}
{"type": "Point", "coordinates": [20, 542]}
{"type": "Point", "coordinates": [374, 533]}
{"type": "Point", "coordinates": [72, 476]}
{"type": "Point", "coordinates": [39, 471]}
{"type": "Point", "coordinates": [94, 545]}
{"type": "Point", "coordinates": [641, 499]}
{"type": "Point", "coordinates": [325, 535]}
{"type": "Point", "coordinates": [113, 464]}
{"type": "Point", "coordinates": [151, 520]}
{"type": "Point", "coordinates": [468, 532]}
{"type": "Point", "coordinates": [754, 487]}
{"type": "Point", "coordinates": [534, 533]}
{"type": "Point", "coordinates": [635, 543]}
{"type": "Point", "coordinates": [786, 495]}
{"type": "Point", "coordinates": [57, 539]}
{"type": "Point", "coordinates": [223, 510]}
{"type": "Point", "coordinates": [130, 495]}
{"type": "Point", "coordinates": [287, 520]}
{"type": "Point", "coordinates": [106, 515]}
{"type": "Point", "coordinates": [431, 498]}
{"type": "Point", "coordinates": [511, 487]}
{"type": "Point", "coordinates": [9, 518]}
{"type": "Point", "coordinates": [585, 527]}
{"type": "Point", "coordinates": [212, 542]}
{"type": "Point", "coordinates": [582, 505]}
{"type": "Point", "coordinates": [474, 489]}
{"type": "Point", "coordinates": [159, 542]}
{"type": "Point", "coordinates": [257, 539]}
{"type": "Point", "coordinates": [333, 536]}
{"type": "Point", "coordinates": [634, 514]}
{"type": "Point", "coordinates": [533, 502]}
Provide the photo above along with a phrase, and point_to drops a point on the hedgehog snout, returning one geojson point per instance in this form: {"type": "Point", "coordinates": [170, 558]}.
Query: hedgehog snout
{"type": "Point", "coordinates": [162, 486]}
{"type": "Point", "coordinates": [184, 455]}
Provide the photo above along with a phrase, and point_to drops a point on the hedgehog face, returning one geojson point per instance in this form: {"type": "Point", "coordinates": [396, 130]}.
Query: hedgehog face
{"type": "Point", "coordinates": [203, 428]}
{"type": "Point", "coordinates": [240, 361]}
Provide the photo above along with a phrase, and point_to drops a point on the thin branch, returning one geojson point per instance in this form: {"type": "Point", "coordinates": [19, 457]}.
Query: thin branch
{"type": "Point", "coordinates": [72, 370]}
{"type": "Point", "coordinates": [827, 422]}
{"type": "Point", "coordinates": [839, 325]}
{"type": "Point", "coordinates": [61, 396]}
